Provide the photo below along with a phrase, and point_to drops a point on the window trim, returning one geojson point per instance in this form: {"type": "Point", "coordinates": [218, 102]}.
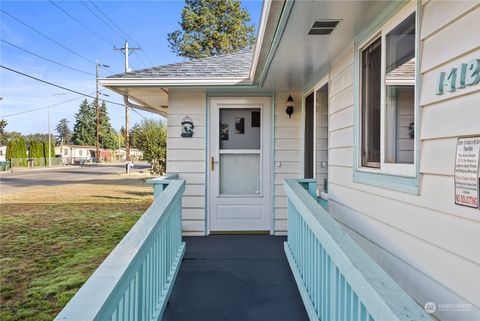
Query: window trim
{"type": "Point", "coordinates": [399, 177]}
{"type": "Point", "coordinates": [324, 80]}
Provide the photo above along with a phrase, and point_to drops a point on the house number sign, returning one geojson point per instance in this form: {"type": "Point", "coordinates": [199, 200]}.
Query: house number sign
{"type": "Point", "coordinates": [466, 171]}
{"type": "Point", "coordinates": [457, 78]}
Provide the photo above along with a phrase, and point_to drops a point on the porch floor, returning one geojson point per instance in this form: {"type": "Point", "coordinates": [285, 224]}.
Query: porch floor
{"type": "Point", "coordinates": [235, 277]}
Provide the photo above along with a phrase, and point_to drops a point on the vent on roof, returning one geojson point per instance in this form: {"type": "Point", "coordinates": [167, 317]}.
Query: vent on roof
{"type": "Point", "coordinates": [323, 27]}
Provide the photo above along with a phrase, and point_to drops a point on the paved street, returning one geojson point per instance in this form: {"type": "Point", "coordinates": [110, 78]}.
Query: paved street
{"type": "Point", "coordinates": [11, 182]}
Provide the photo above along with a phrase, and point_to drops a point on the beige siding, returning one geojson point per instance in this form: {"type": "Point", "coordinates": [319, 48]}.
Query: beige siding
{"type": "Point", "coordinates": [288, 149]}
{"type": "Point", "coordinates": [186, 156]}
{"type": "Point", "coordinates": [423, 240]}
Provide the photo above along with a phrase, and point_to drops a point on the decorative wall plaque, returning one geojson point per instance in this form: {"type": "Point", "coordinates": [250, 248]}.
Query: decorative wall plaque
{"type": "Point", "coordinates": [187, 127]}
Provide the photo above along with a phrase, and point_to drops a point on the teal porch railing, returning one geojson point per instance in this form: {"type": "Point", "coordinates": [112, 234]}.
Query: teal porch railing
{"type": "Point", "coordinates": [135, 280]}
{"type": "Point", "coordinates": [337, 279]}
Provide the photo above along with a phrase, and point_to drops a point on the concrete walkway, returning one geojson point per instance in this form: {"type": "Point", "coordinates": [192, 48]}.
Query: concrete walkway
{"type": "Point", "coordinates": [237, 278]}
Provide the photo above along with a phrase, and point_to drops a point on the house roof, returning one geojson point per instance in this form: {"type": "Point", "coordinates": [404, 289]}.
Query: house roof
{"type": "Point", "coordinates": [235, 65]}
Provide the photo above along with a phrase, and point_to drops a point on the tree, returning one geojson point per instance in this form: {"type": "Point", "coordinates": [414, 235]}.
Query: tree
{"type": "Point", "coordinates": [212, 27]}
{"type": "Point", "coordinates": [17, 151]}
{"type": "Point", "coordinates": [85, 125]}
{"type": "Point", "coordinates": [64, 133]}
{"type": "Point", "coordinates": [35, 149]}
{"type": "Point", "coordinates": [3, 133]}
{"type": "Point", "coordinates": [151, 138]}
{"type": "Point", "coordinates": [107, 135]}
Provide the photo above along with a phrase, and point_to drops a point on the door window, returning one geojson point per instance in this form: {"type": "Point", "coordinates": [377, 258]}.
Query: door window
{"type": "Point", "coordinates": [239, 153]}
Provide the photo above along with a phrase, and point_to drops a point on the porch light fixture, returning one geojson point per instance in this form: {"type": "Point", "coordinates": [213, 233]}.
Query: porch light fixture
{"type": "Point", "coordinates": [290, 104]}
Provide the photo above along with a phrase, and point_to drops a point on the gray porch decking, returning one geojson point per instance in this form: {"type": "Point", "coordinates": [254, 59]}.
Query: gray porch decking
{"type": "Point", "coordinates": [235, 277]}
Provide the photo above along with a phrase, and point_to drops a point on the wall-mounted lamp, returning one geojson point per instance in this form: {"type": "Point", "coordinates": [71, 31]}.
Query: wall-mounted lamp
{"type": "Point", "coordinates": [290, 104]}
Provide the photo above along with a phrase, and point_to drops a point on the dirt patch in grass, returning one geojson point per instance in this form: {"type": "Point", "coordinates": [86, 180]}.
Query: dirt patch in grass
{"type": "Point", "coordinates": [53, 238]}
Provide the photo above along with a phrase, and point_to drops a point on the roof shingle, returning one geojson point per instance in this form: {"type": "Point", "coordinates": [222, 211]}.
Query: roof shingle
{"type": "Point", "coordinates": [236, 64]}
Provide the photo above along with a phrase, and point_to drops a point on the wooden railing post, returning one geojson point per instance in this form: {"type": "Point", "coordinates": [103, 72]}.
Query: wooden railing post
{"type": "Point", "coordinates": [160, 183]}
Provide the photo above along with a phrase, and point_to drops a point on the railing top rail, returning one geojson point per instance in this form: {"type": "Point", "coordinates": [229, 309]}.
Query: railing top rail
{"type": "Point", "coordinates": [382, 296]}
{"type": "Point", "coordinates": [93, 295]}
{"type": "Point", "coordinates": [163, 179]}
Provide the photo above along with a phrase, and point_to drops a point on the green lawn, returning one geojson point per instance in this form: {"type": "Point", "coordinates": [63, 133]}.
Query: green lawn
{"type": "Point", "coordinates": [49, 250]}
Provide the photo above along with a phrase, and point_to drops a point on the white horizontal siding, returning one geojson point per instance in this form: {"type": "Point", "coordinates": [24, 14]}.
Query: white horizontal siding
{"type": "Point", "coordinates": [186, 156]}
{"type": "Point", "coordinates": [434, 239]}
{"type": "Point", "coordinates": [287, 149]}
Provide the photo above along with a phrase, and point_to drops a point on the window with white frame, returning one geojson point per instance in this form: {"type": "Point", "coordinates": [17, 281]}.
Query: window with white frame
{"type": "Point", "coordinates": [387, 97]}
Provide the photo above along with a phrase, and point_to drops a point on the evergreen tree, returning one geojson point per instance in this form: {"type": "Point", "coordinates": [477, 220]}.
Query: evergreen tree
{"type": "Point", "coordinates": [84, 128]}
{"type": "Point", "coordinates": [108, 136]}
{"type": "Point", "coordinates": [212, 27]}
{"type": "Point", "coordinates": [17, 150]}
{"type": "Point", "coordinates": [35, 149]}
{"type": "Point", "coordinates": [64, 133]}
{"type": "Point", "coordinates": [52, 149]}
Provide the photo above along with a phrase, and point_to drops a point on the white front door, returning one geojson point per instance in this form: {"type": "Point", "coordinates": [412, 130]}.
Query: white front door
{"type": "Point", "coordinates": [239, 164]}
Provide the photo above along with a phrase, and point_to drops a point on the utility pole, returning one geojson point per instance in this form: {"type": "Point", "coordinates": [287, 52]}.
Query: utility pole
{"type": "Point", "coordinates": [127, 51]}
{"type": "Point", "coordinates": [97, 113]}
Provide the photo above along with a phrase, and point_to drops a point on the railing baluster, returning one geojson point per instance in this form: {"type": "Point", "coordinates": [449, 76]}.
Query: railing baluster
{"type": "Point", "coordinates": [338, 280]}
{"type": "Point", "coordinates": [135, 280]}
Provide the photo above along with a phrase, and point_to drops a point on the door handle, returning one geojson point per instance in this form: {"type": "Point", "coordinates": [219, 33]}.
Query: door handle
{"type": "Point", "coordinates": [212, 163]}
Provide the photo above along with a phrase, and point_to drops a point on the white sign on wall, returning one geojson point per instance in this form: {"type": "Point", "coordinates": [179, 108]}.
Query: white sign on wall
{"type": "Point", "coordinates": [467, 171]}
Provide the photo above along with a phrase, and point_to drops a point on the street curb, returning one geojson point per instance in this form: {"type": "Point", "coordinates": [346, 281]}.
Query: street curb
{"type": "Point", "coordinates": [22, 170]}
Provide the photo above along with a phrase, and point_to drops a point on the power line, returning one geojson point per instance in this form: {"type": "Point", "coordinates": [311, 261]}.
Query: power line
{"type": "Point", "coordinates": [139, 114]}
{"type": "Point", "coordinates": [40, 108]}
{"type": "Point", "coordinates": [103, 21]}
{"type": "Point", "coordinates": [47, 59]}
{"type": "Point", "coordinates": [82, 24]}
{"type": "Point", "coordinates": [49, 38]}
{"type": "Point", "coordinates": [55, 85]}
{"type": "Point", "coordinates": [121, 30]}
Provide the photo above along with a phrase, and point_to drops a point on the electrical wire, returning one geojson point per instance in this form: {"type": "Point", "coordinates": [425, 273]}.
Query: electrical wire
{"type": "Point", "coordinates": [55, 85]}
{"type": "Point", "coordinates": [47, 59]}
{"type": "Point", "coordinates": [44, 35]}
{"type": "Point", "coordinates": [121, 30]}
{"type": "Point", "coordinates": [139, 114]}
{"type": "Point", "coordinates": [82, 24]}
{"type": "Point", "coordinates": [109, 26]}
{"type": "Point", "coordinates": [64, 88]}
{"type": "Point", "coordinates": [41, 108]}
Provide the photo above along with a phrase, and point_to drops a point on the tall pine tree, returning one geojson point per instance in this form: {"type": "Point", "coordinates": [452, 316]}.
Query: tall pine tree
{"type": "Point", "coordinates": [108, 137]}
{"type": "Point", "coordinates": [84, 128]}
{"type": "Point", "coordinates": [64, 133]}
{"type": "Point", "coordinates": [212, 27]}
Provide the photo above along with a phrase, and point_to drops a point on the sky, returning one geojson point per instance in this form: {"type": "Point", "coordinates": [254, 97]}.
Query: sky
{"type": "Point", "coordinates": [146, 23]}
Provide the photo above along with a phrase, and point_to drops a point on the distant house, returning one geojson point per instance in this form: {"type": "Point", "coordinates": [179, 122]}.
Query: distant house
{"type": "Point", "coordinates": [3, 152]}
{"type": "Point", "coordinates": [72, 154]}
{"type": "Point", "coordinates": [135, 154]}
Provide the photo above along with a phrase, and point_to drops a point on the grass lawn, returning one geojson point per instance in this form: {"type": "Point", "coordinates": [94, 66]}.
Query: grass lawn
{"type": "Point", "coordinates": [53, 241]}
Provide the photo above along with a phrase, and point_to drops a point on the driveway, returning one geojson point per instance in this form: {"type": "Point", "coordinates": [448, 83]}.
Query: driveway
{"type": "Point", "coordinates": [11, 182]}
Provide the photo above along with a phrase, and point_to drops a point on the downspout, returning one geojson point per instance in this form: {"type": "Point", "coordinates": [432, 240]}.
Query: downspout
{"type": "Point", "coordinates": [131, 105]}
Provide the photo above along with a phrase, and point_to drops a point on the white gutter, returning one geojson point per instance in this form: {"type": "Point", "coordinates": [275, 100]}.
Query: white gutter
{"type": "Point", "coordinates": [261, 33]}
{"type": "Point", "coordinates": [169, 82]}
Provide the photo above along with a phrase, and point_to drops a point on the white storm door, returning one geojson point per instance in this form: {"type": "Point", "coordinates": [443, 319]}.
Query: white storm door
{"type": "Point", "coordinates": [239, 164]}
